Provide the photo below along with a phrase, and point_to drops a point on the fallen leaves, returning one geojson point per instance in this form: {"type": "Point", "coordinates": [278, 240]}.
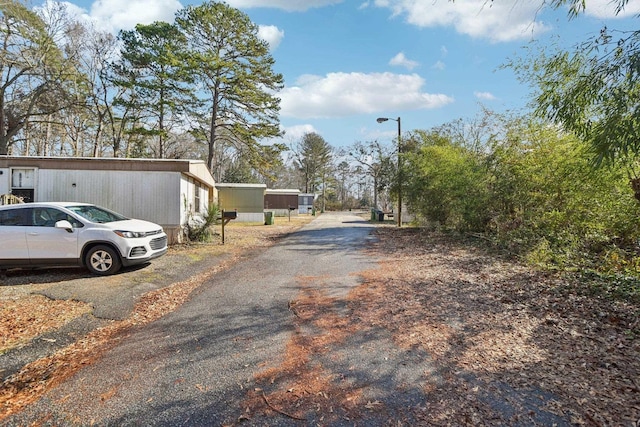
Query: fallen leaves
{"type": "Point", "coordinates": [509, 345]}
{"type": "Point", "coordinates": [26, 317]}
{"type": "Point", "coordinates": [506, 344]}
{"type": "Point", "coordinates": [23, 318]}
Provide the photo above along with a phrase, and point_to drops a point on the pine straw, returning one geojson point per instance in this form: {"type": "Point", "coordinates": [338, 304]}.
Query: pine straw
{"type": "Point", "coordinates": [24, 318]}
{"type": "Point", "coordinates": [303, 383]}
{"type": "Point", "coordinates": [492, 328]}
{"type": "Point", "coordinates": [34, 379]}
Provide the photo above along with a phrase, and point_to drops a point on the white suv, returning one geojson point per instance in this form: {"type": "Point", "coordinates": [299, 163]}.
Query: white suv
{"type": "Point", "coordinates": [59, 234]}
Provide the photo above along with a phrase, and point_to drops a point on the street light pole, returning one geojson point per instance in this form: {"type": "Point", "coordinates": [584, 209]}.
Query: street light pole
{"type": "Point", "coordinates": [381, 120]}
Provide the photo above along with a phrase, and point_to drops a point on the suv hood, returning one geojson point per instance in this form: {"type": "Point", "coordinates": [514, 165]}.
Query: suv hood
{"type": "Point", "coordinates": [133, 225]}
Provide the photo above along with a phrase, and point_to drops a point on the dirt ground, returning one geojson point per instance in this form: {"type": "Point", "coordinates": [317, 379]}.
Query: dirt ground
{"type": "Point", "coordinates": [486, 323]}
{"type": "Point", "coordinates": [508, 345]}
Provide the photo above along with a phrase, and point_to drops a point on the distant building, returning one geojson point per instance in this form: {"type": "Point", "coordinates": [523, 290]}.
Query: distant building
{"type": "Point", "coordinates": [246, 199]}
{"type": "Point", "coordinates": [306, 202]}
{"type": "Point", "coordinates": [281, 201]}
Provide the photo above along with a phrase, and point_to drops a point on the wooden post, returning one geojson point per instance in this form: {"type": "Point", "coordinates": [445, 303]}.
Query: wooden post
{"type": "Point", "coordinates": [226, 218]}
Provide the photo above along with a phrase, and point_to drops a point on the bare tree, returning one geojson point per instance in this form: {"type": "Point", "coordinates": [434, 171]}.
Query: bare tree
{"type": "Point", "coordinates": [38, 79]}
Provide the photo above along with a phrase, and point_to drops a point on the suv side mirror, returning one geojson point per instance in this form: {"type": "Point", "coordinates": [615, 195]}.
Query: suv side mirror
{"type": "Point", "coordinates": [65, 224]}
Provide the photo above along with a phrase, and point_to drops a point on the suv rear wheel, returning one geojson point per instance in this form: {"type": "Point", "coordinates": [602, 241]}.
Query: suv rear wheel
{"type": "Point", "coordinates": [103, 260]}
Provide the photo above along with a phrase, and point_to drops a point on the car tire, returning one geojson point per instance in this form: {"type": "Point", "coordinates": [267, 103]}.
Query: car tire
{"type": "Point", "coordinates": [103, 260]}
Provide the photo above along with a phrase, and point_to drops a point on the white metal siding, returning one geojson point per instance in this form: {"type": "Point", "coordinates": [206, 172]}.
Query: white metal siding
{"type": "Point", "coordinates": [188, 195]}
{"type": "Point", "coordinates": [5, 181]}
{"type": "Point", "coordinates": [153, 196]}
{"type": "Point", "coordinates": [250, 217]}
{"type": "Point", "coordinates": [185, 195]}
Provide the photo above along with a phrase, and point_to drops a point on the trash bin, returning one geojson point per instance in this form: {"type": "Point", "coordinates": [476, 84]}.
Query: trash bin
{"type": "Point", "coordinates": [373, 214]}
{"type": "Point", "coordinates": [268, 218]}
{"type": "Point", "coordinates": [380, 216]}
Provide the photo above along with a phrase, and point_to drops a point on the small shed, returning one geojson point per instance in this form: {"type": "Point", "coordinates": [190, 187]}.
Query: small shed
{"type": "Point", "coordinates": [306, 202]}
{"type": "Point", "coordinates": [281, 201]}
{"type": "Point", "coordinates": [163, 191]}
{"type": "Point", "coordinates": [246, 199]}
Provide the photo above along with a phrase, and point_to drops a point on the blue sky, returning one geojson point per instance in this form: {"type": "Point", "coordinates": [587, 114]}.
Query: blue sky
{"type": "Point", "coordinates": [347, 62]}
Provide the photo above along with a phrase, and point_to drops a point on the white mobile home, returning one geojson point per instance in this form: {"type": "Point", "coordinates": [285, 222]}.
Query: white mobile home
{"type": "Point", "coordinates": [162, 191]}
{"type": "Point", "coordinates": [306, 202]}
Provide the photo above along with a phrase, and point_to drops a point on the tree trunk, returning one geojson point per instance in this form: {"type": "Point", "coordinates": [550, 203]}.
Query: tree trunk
{"type": "Point", "coordinates": [635, 185]}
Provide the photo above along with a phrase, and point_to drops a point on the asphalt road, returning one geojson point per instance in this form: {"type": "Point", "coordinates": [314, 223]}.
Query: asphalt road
{"type": "Point", "coordinates": [194, 366]}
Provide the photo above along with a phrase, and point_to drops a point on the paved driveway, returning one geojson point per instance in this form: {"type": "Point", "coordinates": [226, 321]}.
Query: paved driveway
{"type": "Point", "coordinates": [194, 366]}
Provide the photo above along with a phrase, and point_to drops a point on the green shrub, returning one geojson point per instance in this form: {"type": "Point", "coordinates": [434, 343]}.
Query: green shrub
{"type": "Point", "coordinates": [199, 228]}
{"type": "Point", "coordinates": [531, 190]}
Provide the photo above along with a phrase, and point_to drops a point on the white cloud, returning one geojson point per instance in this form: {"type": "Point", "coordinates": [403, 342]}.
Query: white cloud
{"type": "Point", "coordinates": [295, 133]}
{"type": "Point", "coordinates": [604, 9]}
{"type": "Point", "coordinates": [439, 65]}
{"type": "Point", "coordinates": [402, 61]}
{"type": "Point", "coordinates": [345, 94]}
{"type": "Point", "coordinates": [497, 21]}
{"type": "Point", "coordinates": [485, 96]}
{"type": "Point", "coordinates": [288, 5]}
{"type": "Point", "coordinates": [271, 34]}
{"type": "Point", "coordinates": [114, 15]}
{"type": "Point", "coordinates": [50, 5]}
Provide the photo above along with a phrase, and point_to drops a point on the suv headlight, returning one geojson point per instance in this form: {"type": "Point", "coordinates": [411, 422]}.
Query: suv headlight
{"type": "Point", "coordinates": [129, 234]}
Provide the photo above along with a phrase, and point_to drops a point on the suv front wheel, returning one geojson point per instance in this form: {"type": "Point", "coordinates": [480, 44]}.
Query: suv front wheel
{"type": "Point", "coordinates": [103, 260]}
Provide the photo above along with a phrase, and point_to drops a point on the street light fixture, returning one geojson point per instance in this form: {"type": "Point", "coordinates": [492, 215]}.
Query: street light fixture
{"type": "Point", "coordinates": [382, 120]}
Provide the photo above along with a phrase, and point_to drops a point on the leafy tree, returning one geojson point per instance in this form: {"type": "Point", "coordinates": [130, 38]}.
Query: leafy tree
{"type": "Point", "coordinates": [576, 7]}
{"type": "Point", "coordinates": [343, 173]}
{"type": "Point", "coordinates": [530, 190]}
{"type": "Point", "coordinates": [152, 66]}
{"type": "Point", "coordinates": [594, 97]}
{"type": "Point", "coordinates": [313, 157]}
{"type": "Point", "coordinates": [376, 162]}
{"type": "Point", "coordinates": [233, 66]}
{"type": "Point", "coordinates": [267, 163]}
{"type": "Point", "coordinates": [37, 80]}
{"type": "Point", "coordinates": [240, 171]}
{"type": "Point", "coordinates": [445, 183]}
{"type": "Point", "coordinates": [547, 203]}
{"type": "Point", "coordinates": [592, 91]}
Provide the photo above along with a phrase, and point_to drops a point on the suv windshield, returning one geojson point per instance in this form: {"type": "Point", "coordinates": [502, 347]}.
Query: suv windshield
{"type": "Point", "coordinates": [96, 214]}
